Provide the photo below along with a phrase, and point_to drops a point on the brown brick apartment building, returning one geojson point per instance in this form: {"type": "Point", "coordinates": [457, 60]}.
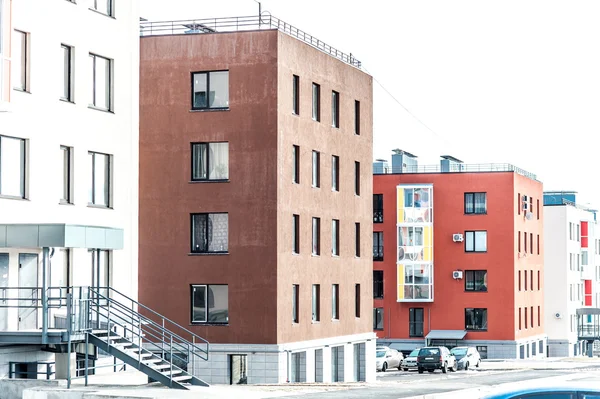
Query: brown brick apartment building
{"type": "Point", "coordinates": [255, 200]}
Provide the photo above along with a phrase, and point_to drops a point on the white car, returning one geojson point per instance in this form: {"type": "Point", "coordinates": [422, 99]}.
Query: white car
{"type": "Point", "coordinates": [388, 358]}
{"type": "Point", "coordinates": [410, 362]}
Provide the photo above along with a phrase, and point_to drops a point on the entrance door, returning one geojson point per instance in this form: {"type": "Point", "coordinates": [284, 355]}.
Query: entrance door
{"type": "Point", "coordinates": [28, 293]}
{"type": "Point", "coordinates": [3, 291]}
{"type": "Point", "coordinates": [238, 370]}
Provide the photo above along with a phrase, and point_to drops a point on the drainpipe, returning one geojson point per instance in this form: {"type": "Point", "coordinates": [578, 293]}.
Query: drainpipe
{"type": "Point", "coordinates": [288, 366]}
{"type": "Point", "coordinates": [44, 296]}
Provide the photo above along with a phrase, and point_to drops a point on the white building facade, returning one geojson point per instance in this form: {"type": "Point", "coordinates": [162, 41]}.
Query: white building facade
{"type": "Point", "coordinates": [572, 264]}
{"type": "Point", "coordinates": [68, 155]}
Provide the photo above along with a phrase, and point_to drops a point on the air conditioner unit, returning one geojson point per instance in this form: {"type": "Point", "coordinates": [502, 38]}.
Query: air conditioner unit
{"type": "Point", "coordinates": [457, 274]}
{"type": "Point", "coordinates": [529, 216]}
{"type": "Point", "coordinates": [557, 315]}
{"type": "Point", "coordinates": [457, 237]}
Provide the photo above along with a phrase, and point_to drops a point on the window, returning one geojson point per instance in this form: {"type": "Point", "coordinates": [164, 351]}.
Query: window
{"type": "Point", "coordinates": [296, 95]}
{"type": "Point", "coordinates": [525, 241]}
{"type": "Point", "coordinates": [377, 208]}
{"type": "Point", "coordinates": [357, 240]}
{"type": "Point", "coordinates": [531, 315]}
{"type": "Point", "coordinates": [415, 322]}
{"type": "Point", "coordinates": [483, 351]}
{"type": "Point", "coordinates": [210, 232]}
{"type": "Point", "coordinates": [378, 319]}
{"type": "Point", "coordinates": [476, 319]}
{"type": "Point", "coordinates": [525, 275]}
{"type": "Point", "coordinates": [539, 319]}
{"type": "Point", "coordinates": [316, 102]}
{"type": "Point", "coordinates": [20, 60]}
{"type": "Point", "coordinates": [476, 280]}
{"type": "Point", "coordinates": [210, 90]}
{"type": "Point", "coordinates": [378, 245]}
{"type": "Point", "coordinates": [357, 117]}
{"type": "Point", "coordinates": [67, 75]}
{"type": "Point", "coordinates": [526, 317]}
{"type": "Point", "coordinates": [335, 173]}
{"type": "Point", "coordinates": [296, 234]}
{"type": "Point", "coordinates": [378, 284]}
{"type": "Point", "coordinates": [296, 161]}
{"type": "Point", "coordinates": [335, 109]}
{"type": "Point", "coordinates": [531, 243]}
{"type": "Point", "coordinates": [316, 169]}
{"type": "Point", "coordinates": [101, 83]}
{"type": "Point", "coordinates": [570, 230]}
{"type": "Point", "coordinates": [357, 178]}
{"type": "Point", "coordinates": [475, 203]}
{"type": "Point", "coordinates": [12, 167]}
{"type": "Point", "coordinates": [475, 241]}
{"type": "Point", "coordinates": [520, 319]}
{"type": "Point", "coordinates": [103, 6]}
{"type": "Point", "coordinates": [519, 242]}
{"type": "Point", "coordinates": [584, 258]}
{"type": "Point", "coordinates": [538, 211]}
{"type": "Point", "coordinates": [538, 244]}
{"type": "Point", "coordinates": [210, 161]}
{"type": "Point", "coordinates": [316, 302]}
{"type": "Point", "coordinates": [539, 279]}
{"type": "Point", "coordinates": [531, 280]}
{"type": "Point", "coordinates": [295, 303]}
{"type": "Point", "coordinates": [100, 191]}
{"type": "Point", "coordinates": [519, 205]}
{"type": "Point", "coordinates": [67, 174]}
{"type": "Point", "coordinates": [316, 236]}
{"type": "Point", "coordinates": [357, 300]}
{"type": "Point", "coordinates": [418, 282]}
{"type": "Point", "coordinates": [335, 301]}
{"type": "Point", "coordinates": [519, 280]}
{"type": "Point", "coordinates": [335, 237]}
{"type": "Point", "coordinates": [210, 304]}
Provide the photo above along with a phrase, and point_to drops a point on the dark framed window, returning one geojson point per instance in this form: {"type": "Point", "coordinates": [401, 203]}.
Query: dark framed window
{"type": "Point", "coordinates": [335, 173]}
{"type": "Point", "coordinates": [67, 75]}
{"type": "Point", "coordinates": [316, 236]}
{"type": "Point", "coordinates": [483, 351]}
{"type": "Point", "coordinates": [12, 167]}
{"type": "Point", "coordinates": [531, 316]}
{"type": "Point", "coordinates": [296, 234]}
{"type": "Point", "coordinates": [356, 177]}
{"type": "Point", "coordinates": [210, 90]}
{"type": "Point", "coordinates": [519, 280]}
{"type": "Point", "coordinates": [531, 243]}
{"type": "Point", "coordinates": [475, 241]}
{"type": "Point", "coordinates": [357, 239]}
{"type": "Point", "coordinates": [538, 244]}
{"type": "Point", "coordinates": [335, 301]}
{"type": "Point", "coordinates": [210, 303]}
{"type": "Point", "coordinates": [296, 163]}
{"type": "Point", "coordinates": [316, 302]}
{"type": "Point", "coordinates": [476, 319]}
{"type": "Point", "coordinates": [356, 300]}
{"type": "Point", "coordinates": [525, 276]}
{"type": "Point", "coordinates": [335, 237]}
{"type": "Point", "coordinates": [316, 169]}
{"type": "Point", "coordinates": [316, 102]}
{"type": "Point", "coordinates": [101, 83]}
{"type": "Point", "coordinates": [415, 322]}
{"type": "Point", "coordinates": [476, 280]}
{"type": "Point", "coordinates": [210, 161]}
{"type": "Point", "coordinates": [526, 324]}
{"type": "Point", "coordinates": [378, 245]}
{"type": "Point", "coordinates": [103, 6]}
{"type": "Point", "coordinates": [335, 109]}
{"type": "Point", "coordinates": [296, 95]}
{"type": "Point", "coordinates": [539, 280]}
{"type": "Point", "coordinates": [475, 203]}
{"type": "Point", "coordinates": [67, 174]}
{"type": "Point", "coordinates": [357, 117]}
{"type": "Point", "coordinates": [210, 232]}
{"type": "Point", "coordinates": [531, 280]}
{"type": "Point", "coordinates": [377, 318]}
{"type": "Point", "coordinates": [295, 303]}
{"type": "Point", "coordinates": [378, 284]}
{"type": "Point", "coordinates": [377, 208]}
{"type": "Point", "coordinates": [520, 319]}
{"type": "Point", "coordinates": [100, 188]}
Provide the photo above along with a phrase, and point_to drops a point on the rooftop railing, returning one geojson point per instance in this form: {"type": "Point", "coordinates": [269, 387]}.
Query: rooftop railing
{"type": "Point", "coordinates": [237, 24]}
{"type": "Point", "coordinates": [457, 168]}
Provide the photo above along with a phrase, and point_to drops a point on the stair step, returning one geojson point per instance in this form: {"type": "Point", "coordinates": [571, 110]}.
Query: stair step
{"type": "Point", "coordinates": [154, 360]}
{"type": "Point", "coordinates": [182, 378]}
{"type": "Point", "coordinates": [156, 366]}
{"type": "Point", "coordinates": [168, 373]}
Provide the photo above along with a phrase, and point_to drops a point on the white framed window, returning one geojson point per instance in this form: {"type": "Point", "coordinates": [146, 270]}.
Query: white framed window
{"type": "Point", "coordinates": [210, 304]}
{"type": "Point", "coordinates": [105, 7]}
{"type": "Point", "coordinates": [101, 90]}
{"type": "Point", "coordinates": [67, 175]}
{"type": "Point", "coordinates": [475, 241]}
{"type": "Point", "coordinates": [20, 60]}
{"type": "Point", "coordinates": [100, 189]}
{"type": "Point", "coordinates": [67, 73]}
{"type": "Point", "coordinates": [12, 167]}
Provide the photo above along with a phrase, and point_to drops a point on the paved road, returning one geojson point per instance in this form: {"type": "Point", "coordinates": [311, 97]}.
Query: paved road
{"type": "Point", "coordinates": [394, 385]}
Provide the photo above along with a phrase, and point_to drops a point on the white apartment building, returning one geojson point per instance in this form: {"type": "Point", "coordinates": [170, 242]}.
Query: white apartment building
{"type": "Point", "coordinates": [572, 265]}
{"type": "Point", "coordinates": [69, 86]}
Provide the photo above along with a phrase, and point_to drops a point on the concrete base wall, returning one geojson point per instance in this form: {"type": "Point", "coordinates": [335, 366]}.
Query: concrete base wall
{"type": "Point", "coordinates": [23, 353]}
{"type": "Point", "coordinates": [566, 348]}
{"type": "Point", "coordinates": [306, 361]}
{"type": "Point", "coordinates": [14, 389]}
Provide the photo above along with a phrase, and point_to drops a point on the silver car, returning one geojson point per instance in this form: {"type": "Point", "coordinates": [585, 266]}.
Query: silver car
{"type": "Point", "coordinates": [410, 362]}
{"type": "Point", "coordinates": [387, 358]}
{"type": "Point", "coordinates": [466, 356]}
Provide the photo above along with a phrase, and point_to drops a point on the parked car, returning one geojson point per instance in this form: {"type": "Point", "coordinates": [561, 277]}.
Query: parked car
{"type": "Point", "coordinates": [435, 357]}
{"type": "Point", "coordinates": [466, 356]}
{"type": "Point", "coordinates": [387, 358]}
{"type": "Point", "coordinates": [566, 390]}
{"type": "Point", "coordinates": [410, 361]}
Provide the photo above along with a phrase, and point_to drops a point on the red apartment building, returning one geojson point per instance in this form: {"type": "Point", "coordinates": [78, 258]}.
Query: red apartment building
{"type": "Point", "coordinates": [255, 198]}
{"type": "Point", "coordinates": [458, 256]}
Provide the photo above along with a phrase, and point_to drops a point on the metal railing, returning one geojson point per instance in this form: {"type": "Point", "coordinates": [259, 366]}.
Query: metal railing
{"type": "Point", "coordinates": [237, 24]}
{"type": "Point", "coordinates": [458, 168]}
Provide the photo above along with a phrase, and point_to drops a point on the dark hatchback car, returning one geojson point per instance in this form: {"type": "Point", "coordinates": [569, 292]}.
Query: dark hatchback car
{"type": "Point", "coordinates": [435, 358]}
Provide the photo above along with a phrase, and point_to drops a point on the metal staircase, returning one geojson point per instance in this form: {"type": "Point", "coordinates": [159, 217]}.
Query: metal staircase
{"type": "Point", "coordinates": [136, 335]}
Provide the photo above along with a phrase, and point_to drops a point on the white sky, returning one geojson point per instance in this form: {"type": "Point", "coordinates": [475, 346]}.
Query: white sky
{"type": "Point", "coordinates": [506, 81]}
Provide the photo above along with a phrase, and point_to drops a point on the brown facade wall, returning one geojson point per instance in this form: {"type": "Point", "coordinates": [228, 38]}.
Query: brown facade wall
{"type": "Point", "coordinates": [311, 65]}
{"type": "Point", "coordinates": [167, 198]}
